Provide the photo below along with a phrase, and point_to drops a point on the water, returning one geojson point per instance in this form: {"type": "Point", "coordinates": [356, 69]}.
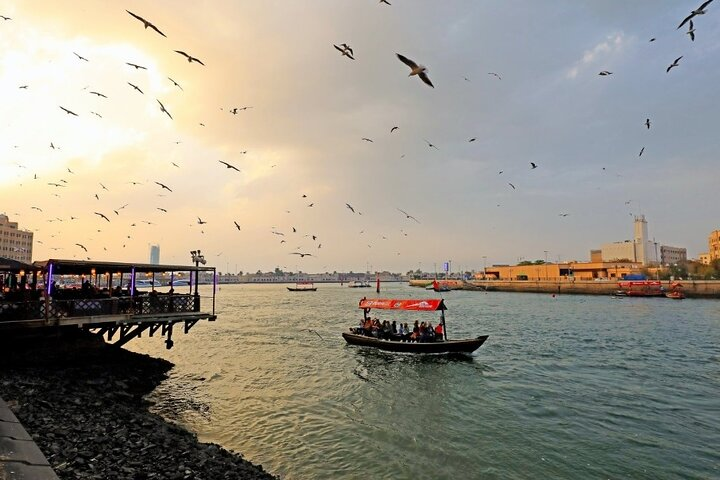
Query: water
{"type": "Point", "coordinates": [565, 387]}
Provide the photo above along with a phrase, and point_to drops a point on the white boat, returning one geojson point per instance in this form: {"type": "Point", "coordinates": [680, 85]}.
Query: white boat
{"type": "Point", "coordinates": [359, 284]}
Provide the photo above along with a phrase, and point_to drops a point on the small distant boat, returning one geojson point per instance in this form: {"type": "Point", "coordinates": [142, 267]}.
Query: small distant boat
{"type": "Point", "coordinates": [440, 344]}
{"type": "Point", "coordinates": [440, 286]}
{"type": "Point", "coordinates": [359, 284]}
{"type": "Point", "coordinates": [675, 291]}
{"type": "Point", "coordinates": [303, 287]}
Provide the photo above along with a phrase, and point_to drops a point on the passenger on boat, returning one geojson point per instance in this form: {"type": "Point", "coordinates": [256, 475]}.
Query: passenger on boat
{"type": "Point", "coordinates": [386, 330]}
{"type": "Point", "coordinates": [394, 328]}
{"type": "Point", "coordinates": [407, 330]}
{"type": "Point", "coordinates": [429, 333]}
{"type": "Point", "coordinates": [439, 331]}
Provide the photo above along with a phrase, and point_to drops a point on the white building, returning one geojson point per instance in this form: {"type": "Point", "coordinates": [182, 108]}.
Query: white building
{"type": "Point", "coordinates": [639, 249]}
{"type": "Point", "coordinates": [15, 244]}
{"type": "Point", "coordinates": [155, 254]}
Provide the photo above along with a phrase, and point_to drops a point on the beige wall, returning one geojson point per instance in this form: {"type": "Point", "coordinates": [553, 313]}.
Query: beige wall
{"type": "Point", "coordinates": [554, 271]}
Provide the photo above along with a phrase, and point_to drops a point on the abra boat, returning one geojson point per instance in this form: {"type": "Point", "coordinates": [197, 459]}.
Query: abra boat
{"type": "Point", "coordinates": [303, 287]}
{"type": "Point", "coordinates": [642, 288]}
{"type": "Point", "coordinates": [676, 292]}
{"type": "Point", "coordinates": [357, 336]}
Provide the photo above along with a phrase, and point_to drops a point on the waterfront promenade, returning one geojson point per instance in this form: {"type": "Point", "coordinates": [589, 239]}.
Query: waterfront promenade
{"type": "Point", "coordinates": [692, 288]}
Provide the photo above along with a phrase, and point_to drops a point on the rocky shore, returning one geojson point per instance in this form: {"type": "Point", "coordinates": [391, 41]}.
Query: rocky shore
{"type": "Point", "coordinates": [83, 403]}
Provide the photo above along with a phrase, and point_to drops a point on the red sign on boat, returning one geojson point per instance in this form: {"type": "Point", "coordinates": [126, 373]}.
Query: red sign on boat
{"type": "Point", "coordinates": [427, 305]}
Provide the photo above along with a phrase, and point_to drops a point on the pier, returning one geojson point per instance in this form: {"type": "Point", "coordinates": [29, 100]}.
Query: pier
{"type": "Point", "coordinates": [33, 301]}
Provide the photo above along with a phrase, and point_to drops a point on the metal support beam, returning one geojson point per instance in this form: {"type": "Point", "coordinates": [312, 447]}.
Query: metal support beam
{"type": "Point", "coordinates": [189, 324]}
{"type": "Point", "coordinates": [111, 332]}
{"type": "Point", "coordinates": [154, 328]}
{"type": "Point", "coordinates": [129, 333]}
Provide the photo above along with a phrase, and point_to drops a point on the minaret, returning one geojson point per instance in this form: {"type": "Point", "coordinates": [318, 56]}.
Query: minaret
{"type": "Point", "coordinates": [640, 239]}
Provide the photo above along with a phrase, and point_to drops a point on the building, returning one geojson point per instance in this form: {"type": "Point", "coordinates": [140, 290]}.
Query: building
{"type": "Point", "coordinates": [705, 258]}
{"type": "Point", "coordinates": [639, 249]}
{"type": "Point", "coordinates": [672, 255]}
{"type": "Point", "coordinates": [714, 245]}
{"type": "Point", "coordinates": [561, 271]}
{"type": "Point", "coordinates": [15, 244]}
{"type": "Point", "coordinates": [155, 254]}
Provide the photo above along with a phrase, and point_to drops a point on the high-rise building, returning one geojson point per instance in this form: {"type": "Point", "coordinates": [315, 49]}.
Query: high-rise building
{"type": "Point", "coordinates": [15, 243]}
{"type": "Point", "coordinates": [155, 254]}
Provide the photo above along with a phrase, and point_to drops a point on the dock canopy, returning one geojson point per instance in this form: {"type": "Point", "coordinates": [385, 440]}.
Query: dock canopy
{"type": "Point", "coordinates": [13, 266]}
{"type": "Point", "coordinates": [80, 267]}
{"type": "Point", "coordinates": [425, 304]}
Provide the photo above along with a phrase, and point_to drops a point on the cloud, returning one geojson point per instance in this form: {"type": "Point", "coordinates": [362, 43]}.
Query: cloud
{"type": "Point", "coordinates": [604, 51]}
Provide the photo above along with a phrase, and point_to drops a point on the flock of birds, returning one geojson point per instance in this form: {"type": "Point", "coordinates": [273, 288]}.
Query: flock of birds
{"type": "Point", "coordinates": [346, 51]}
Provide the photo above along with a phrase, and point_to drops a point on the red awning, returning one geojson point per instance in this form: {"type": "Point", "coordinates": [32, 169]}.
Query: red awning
{"type": "Point", "coordinates": [426, 304]}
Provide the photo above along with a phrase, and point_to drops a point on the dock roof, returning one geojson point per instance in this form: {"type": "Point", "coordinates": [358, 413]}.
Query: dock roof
{"type": "Point", "coordinates": [79, 267]}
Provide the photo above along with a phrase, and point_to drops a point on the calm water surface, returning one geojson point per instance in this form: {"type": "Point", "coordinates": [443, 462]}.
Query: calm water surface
{"type": "Point", "coordinates": [565, 387]}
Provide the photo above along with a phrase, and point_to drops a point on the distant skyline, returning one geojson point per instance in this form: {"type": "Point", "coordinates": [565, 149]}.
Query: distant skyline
{"type": "Point", "coordinates": [279, 145]}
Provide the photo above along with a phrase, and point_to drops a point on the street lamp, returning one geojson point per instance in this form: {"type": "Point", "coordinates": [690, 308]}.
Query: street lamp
{"type": "Point", "coordinates": [198, 258]}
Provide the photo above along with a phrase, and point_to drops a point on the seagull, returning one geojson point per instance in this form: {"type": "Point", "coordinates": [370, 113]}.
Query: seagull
{"type": "Point", "coordinates": [691, 31]}
{"type": "Point", "coordinates": [81, 57]}
{"type": "Point", "coordinates": [36, 208]}
{"type": "Point", "coordinates": [101, 215]}
{"type": "Point", "coordinates": [98, 94]}
{"type": "Point", "coordinates": [162, 109]}
{"type": "Point", "coordinates": [81, 246]}
{"type": "Point", "coordinates": [532, 165]}
{"type": "Point", "coordinates": [416, 69]}
{"type": "Point", "coordinates": [407, 215]}
{"type": "Point", "coordinates": [345, 50]}
{"type": "Point", "coordinates": [175, 83]}
{"type": "Point", "coordinates": [162, 209]}
{"type": "Point", "coordinates": [189, 58]}
{"type": "Point", "coordinates": [472, 140]}
{"type": "Point", "coordinates": [302, 255]}
{"type": "Point", "coordinates": [69, 112]}
{"type": "Point", "coordinates": [647, 123]}
{"type": "Point", "coordinates": [385, 2]}
{"type": "Point", "coordinates": [55, 184]}
{"type": "Point", "coordinates": [699, 11]}
{"type": "Point", "coordinates": [641, 151]}
{"type": "Point", "coordinates": [137, 67]}
{"type": "Point", "coordinates": [564, 214]}
{"type": "Point", "coordinates": [146, 23]}
{"type": "Point", "coordinates": [652, 39]}
{"type": "Point", "coordinates": [201, 221]}
{"type": "Point", "coordinates": [513, 186]}
{"type": "Point", "coordinates": [104, 187]}
{"type": "Point", "coordinates": [604, 73]}
{"type": "Point", "coordinates": [164, 186]}
{"type": "Point", "coordinates": [23, 87]}
{"type": "Point", "coordinates": [229, 166]}
{"type": "Point", "coordinates": [5, 18]}
{"type": "Point", "coordinates": [430, 144]}
{"type": "Point", "coordinates": [393, 129]}
{"type": "Point", "coordinates": [95, 113]}
{"type": "Point", "coordinates": [52, 145]}
{"type": "Point", "coordinates": [135, 87]}
{"type": "Point", "coordinates": [496, 75]}
{"type": "Point", "coordinates": [674, 64]}
{"type": "Point", "coordinates": [236, 225]}
{"type": "Point", "coordinates": [175, 165]}
{"type": "Point", "coordinates": [367, 139]}
{"type": "Point", "coordinates": [350, 207]}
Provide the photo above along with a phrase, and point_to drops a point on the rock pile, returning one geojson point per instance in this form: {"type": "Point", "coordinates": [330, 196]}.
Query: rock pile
{"type": "Point", "coordinates": [83, 404]}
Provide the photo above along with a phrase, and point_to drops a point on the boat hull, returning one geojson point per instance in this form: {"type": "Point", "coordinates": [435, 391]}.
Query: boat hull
{"type": "Point", "coordinates": [302, 289]}
{"type": "Point", "coordinates": [447, 346]}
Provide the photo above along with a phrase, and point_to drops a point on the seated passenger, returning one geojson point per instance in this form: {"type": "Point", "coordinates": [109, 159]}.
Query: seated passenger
{"type": "Point", "coordinates": [394, 328]}
{"type": "Point", "coordinates": [407, 331]}
{"type": "Point", "coordinates": [439, 331]}
{"type": "Point", "coordinates": [430, 333]}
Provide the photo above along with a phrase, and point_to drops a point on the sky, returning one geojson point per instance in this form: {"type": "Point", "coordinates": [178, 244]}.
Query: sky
{"type": "Point", "coordinates": [299, 145]}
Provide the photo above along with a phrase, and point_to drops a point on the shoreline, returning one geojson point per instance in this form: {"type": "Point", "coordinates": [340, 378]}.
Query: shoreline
{"type": "Point", "coordinates": [83, 403]}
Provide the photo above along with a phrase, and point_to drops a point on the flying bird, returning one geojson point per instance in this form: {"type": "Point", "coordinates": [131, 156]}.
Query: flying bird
{"type": "Point", "coordinates": [98, 94]}
{"type": "Point", "coordinates": [393, 129]}
{"type": "Point", "coordinates": [385, 2]}
{"type": "Point", "coordinates": [532, 165]}
{"type": "Point", "coordinates": [698, 11]}
{"type": "Point", "coordinates": [345, 50]}
{"type": "Point", "coordinates": [652, 39]}
{"type": "Point", "coordinates": [190, 59]}
{"type": "Point", "coordinates": [674, 64]}
{"type": "Point", "coordinates": [81, 246]}
{"type": "Point", "coordinates": [407, 215]}
{"type": "Point", "coordinates": [104, 187]}
{"type": "Point", "coordinates": [5, 18]}
{"type": "Point", "coordinates": [691, 31]}
{"type": "Point", "coordinates": [229, 166]}
{"type": "Point", "coordinates": [146, 23]}
{"type": "Point", "coordinates": [164, 186]}
{"type": "Point", "coordinates": [97, 114]}
{"type": "Point", "coordinates": [564, 214]}
{"type": "Point", "coordinates": [137, 67]}
{"type": "Point", "coordinates": [302, 255]}
{"type": "Point", "coordinates": [81, 57]}
{"type": "Point", "coordinates": [135, 87]}
{"type": "Point", "coordinates": [513, 186]}
{"type": "Point", "coordinates": [101, 215]}
{"type": "Point", "coordinates": [201, 221]}
{"type": "Point", "coordinates": [162, 209]}
{"type": "Point", "coordinates": [416, 69]}
{"type": "Point", "coordinates": [647, 123]}
{"type": "Point", "coordinates": [350, 207]}
{"type": "Point", "coordinates": [367, 139]}
{"type": "Point", "coordinates": [641, 151]}
{"type": "Point", "coordinates": [430, 144]}
{"type": "Point", "coordinates": [604, 73]}
{"type": "Point", "coordinates": [162, 109]}
{"type": "Point", "coordinates": [495, 74]}
{"type": "Point", "coordinates": [69, 112]}
{"type": "Point", "coordinates": [472, 140]}
{"type": "Point", "coordinates": [236, 225]}
{"type": "Point", "coordinates": [175, 83]}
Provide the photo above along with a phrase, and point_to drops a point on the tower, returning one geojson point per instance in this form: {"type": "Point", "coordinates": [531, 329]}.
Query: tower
{"type": "Point", "coordinates": [155, 254]}
{"type": "Point", "coordinates": [640, 240]}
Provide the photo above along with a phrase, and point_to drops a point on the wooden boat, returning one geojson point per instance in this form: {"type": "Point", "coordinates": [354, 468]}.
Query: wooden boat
{"type": "Point", "coordinates": [356, 336]}
{"type": "Point", "coordinates": [642, 288]}
{"type": "Point", "coordinates": [440, 286]}
{"type": "Point", "coordinates": [675, 292]}
{"type": "Point", "coordinates": [303, 287]}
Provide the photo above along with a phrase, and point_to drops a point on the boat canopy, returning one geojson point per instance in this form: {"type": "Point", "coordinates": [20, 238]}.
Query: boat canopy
{"type": "Point", "coordinates": [425, 304]}
{"type": "Point", "coordinates": [79, 267]}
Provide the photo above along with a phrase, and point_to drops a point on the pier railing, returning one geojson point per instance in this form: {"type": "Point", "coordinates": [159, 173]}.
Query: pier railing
{"type": "Point", "coordinates": [84, 307]}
